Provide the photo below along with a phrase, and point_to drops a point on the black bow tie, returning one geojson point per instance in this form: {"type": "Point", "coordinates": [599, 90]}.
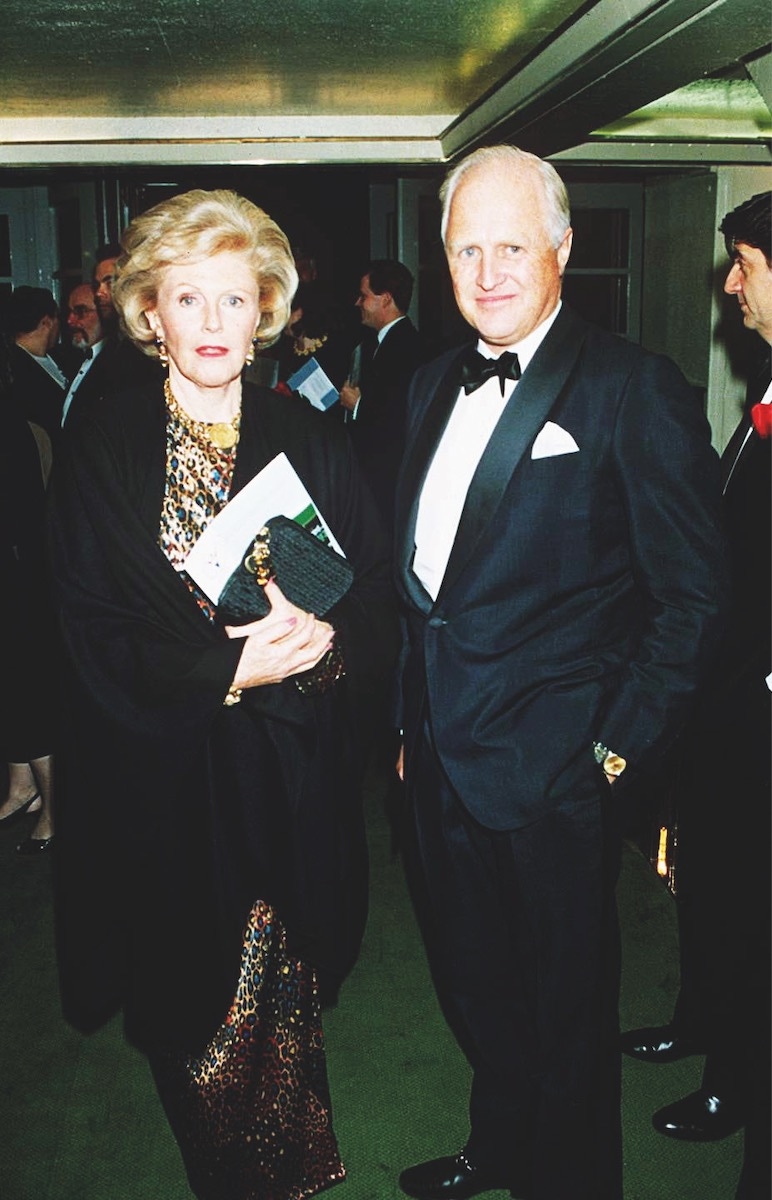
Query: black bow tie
{"type": "Point", "coordinates": [475, 369]}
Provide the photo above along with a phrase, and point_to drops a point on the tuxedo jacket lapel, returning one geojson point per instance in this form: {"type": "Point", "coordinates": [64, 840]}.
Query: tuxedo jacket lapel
{"type": "Point", "coordinates": [735, 443]}
{"type": "Point", "coordinates": [526, 411]}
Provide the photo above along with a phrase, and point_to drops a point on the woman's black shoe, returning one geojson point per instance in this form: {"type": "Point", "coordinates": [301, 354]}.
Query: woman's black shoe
{"type": "Point", "coordinates": [34, 846]}
{"type": "Point", "coordinates": [19, 812]}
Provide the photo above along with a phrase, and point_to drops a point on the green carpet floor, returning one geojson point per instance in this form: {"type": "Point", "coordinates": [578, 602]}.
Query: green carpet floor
{"type": "Point", "coordinates": [79, 1118]}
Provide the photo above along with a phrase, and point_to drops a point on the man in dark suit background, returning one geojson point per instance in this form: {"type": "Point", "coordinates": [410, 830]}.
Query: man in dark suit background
{"type": "Point", "coordinates": [114, 363]}
{"type": "Point", "coordinates": [723, 802]}
{"type": "Point", "coordinates": [375, 403]}
{"type": "Point", "coordinates": [561, 569]}
{"type": "Point", "coordinates": [84, 326]}
{"type": "Point", "coordinates": [38, 379]}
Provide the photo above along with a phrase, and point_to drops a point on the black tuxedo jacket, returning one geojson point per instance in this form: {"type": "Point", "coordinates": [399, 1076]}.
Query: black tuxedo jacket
{"type": "Point", "coordinates": [119, 366]}
{"type": "Point", "coordinates": [585, 593]}
{"type": "Point", "coordinates": [40, 397]}
{"type": "Point", "coordinates": [385, 376]}
{"type": "Point", "coordinates": [378, 433]}
{"type": "Point", "coordinates": [739, 696]}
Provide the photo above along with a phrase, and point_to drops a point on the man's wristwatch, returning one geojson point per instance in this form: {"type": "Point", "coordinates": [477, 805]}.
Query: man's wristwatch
{"type": "Point", "coordinates": [613, 764]}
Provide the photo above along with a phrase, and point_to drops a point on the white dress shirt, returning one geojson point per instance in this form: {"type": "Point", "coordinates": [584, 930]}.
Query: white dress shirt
{"type": "Point", "coordinates": [467, 433]}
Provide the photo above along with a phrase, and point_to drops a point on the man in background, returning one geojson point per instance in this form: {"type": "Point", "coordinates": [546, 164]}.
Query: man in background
{"type": "Point", "coordinates": [84, 326]}
{"type": "Point", "coordinates": [39, 383]}
{"type": "Point", "coordinates": [116, 363]}
{"type": "Point", "coordinates": [83, 321]}
{"type": "Point", "coordinates": [723, 866]}
{"type": "Point", "coordinates": [560, 565]}
{"type": "Point", "coordinates": [104, 274]}
{"type": "Point", "coordinates": [375, 404]}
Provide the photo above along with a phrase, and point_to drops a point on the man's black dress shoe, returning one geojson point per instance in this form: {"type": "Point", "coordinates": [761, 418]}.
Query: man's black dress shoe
{"type": "Point", "coordinates": [453, 1178]}
{"type": "Point", "coordinates": [661, 1044]}
{"type": "Point", "coordinates": [699, 1117]}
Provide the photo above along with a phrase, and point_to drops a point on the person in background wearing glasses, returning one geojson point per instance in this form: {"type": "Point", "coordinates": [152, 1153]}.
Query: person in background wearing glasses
{"type": "Point", "coordinates": [112, 362]}
{"type": "Point", "coordinates": [86, 336]}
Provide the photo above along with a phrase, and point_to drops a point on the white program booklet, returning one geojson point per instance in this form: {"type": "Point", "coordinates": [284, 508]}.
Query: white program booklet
{"type": "Point", "coordinates": [315, 385]}
{"type": "Point", "coordinates": [276, 490]}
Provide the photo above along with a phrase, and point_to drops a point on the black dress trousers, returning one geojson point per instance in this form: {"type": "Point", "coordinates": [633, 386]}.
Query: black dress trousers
{"type": "Point", "coordinates": [523, 940]}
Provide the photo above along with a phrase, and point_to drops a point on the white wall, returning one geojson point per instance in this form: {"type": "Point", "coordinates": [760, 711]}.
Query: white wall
{"type": "Point", "coordinates": [678, 270]}
{"type": "Point", "coordinates": [32, 236]}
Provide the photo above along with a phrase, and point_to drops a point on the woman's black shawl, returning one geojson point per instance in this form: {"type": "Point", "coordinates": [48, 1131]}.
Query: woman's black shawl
{"type": "Point", "coordinates": [175, 813]}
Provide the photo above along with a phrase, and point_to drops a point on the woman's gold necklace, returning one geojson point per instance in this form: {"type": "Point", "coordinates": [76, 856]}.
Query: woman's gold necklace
{"type": "Point", "coordinates": [223, 434]}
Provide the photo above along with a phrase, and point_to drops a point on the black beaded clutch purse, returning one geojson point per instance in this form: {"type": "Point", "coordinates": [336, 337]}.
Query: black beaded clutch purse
{"type": "Point", "coordinates": [310, 573]}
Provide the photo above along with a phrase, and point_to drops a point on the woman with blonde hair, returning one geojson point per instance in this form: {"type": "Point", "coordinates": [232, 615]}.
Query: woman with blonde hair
{"type": "Point", "coordinates": [212, 865]}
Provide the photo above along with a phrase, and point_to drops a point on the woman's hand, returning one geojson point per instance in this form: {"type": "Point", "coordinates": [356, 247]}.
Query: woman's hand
{"type": "Point", "coordinates": [286, 642]}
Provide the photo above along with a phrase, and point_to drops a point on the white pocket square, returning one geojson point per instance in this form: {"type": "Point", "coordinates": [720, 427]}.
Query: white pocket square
{"type": "Point", "coordinates": [553, 440]}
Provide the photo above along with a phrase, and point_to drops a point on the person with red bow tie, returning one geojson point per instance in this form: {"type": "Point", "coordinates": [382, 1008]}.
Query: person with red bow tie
{"type": "Point", "coordinates": [723, 1006]}
{"type": "Point", "coordinates": [761, 416]}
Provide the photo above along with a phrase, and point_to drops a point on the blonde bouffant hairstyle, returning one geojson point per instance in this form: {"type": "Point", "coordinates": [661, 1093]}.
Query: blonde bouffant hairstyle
{"type": "Point", "coordinates": [195, 226]}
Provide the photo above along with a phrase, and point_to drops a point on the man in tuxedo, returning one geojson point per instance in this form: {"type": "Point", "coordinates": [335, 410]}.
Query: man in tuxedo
{"type": "Point", "coordinates": [561, 568]}
{"type": "Point", "coordinates": [84, 326]}
{"type": "Point", "coordinates": [38, 379]}
{"type": "Point", "coordinates": [723, 866]}
{"type": "Point", "coordinates": [112, 362]}
{"type": "Point", "coordinates": [375, 405]}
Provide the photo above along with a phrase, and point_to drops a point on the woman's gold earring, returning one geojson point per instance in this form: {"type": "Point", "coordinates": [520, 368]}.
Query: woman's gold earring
{"type": "Point", "coordinates": [163, 353]}
{"type": "Point", "coordinates": [251, 353]}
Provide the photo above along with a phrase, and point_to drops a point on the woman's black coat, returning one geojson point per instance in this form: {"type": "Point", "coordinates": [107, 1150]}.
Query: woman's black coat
{"type": "Point", "coordinates": [175, 813]}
